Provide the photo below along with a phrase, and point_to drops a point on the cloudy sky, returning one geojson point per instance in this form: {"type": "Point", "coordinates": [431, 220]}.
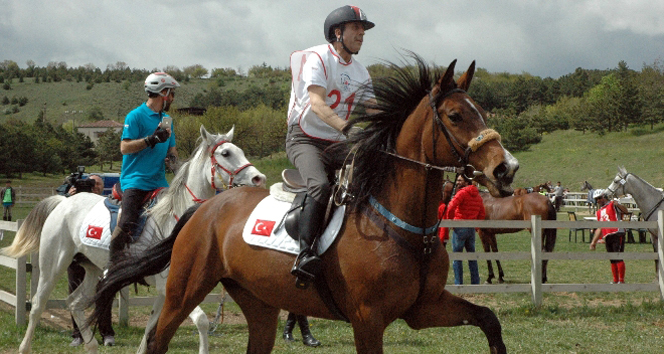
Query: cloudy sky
{"type": "Point", "coordinates": [544, 38]}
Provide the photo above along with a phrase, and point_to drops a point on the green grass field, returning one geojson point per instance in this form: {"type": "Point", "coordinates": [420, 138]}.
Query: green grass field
{"type": "Point", "coordinates": [565, 323]}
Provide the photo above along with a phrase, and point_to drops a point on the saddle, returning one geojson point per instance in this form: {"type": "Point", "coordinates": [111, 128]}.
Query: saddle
{"type": "Point", "coordinates": [294, 183]}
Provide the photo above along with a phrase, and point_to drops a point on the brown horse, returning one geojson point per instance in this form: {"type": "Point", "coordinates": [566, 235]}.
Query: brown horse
{"type": "Point", "coordinates": [376, 271]}
{"type": "Point", "coordinates": [546, 187]}
{"type": "Point", "coordinates": [517, 207]}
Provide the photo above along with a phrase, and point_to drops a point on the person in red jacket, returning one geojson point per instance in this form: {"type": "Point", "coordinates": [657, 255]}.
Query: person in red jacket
{"type": "Point", "coordinates": [614, 238]}
{"type": "Point", "coordinates": [466, 205]}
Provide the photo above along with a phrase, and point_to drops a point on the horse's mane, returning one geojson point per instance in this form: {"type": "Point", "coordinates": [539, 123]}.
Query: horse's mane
{"type": "Point", "coordinates": [170, 199]}
{"type": "Point", "coordinates": [397, 97]}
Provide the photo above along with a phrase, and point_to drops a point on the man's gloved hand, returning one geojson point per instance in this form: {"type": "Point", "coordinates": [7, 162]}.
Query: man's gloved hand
{"type": "Point", "coordinates": [353, 130]}
{"type": "Point", "coordinates": [160, 135]}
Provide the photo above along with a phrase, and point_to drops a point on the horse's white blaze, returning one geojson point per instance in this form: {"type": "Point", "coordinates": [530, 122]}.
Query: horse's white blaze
{"type": "Point", "coordinates": [470, 103]}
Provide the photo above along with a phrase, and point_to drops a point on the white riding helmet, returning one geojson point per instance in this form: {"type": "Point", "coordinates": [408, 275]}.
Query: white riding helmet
{"type": "Point", "coordinates": [599, 193]}
{"type": "Point", "coordinates": [157, 82]}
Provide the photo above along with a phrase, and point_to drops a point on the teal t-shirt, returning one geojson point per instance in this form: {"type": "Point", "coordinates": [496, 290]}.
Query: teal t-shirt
{"type": "Point", "coordinates": [145, 169]}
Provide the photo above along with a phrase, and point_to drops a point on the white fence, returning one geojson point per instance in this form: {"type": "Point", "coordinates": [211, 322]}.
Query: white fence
{"type": "Point", "coordinates": [535, 287]}
{"type": "Point", "coordinates": [22, 267]}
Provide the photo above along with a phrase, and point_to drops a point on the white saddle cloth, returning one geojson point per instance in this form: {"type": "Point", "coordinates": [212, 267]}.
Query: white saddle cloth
{"type": "Point", "coordinates": [266, 225]}
{"type": "Point", "coordinates": [95, 229]}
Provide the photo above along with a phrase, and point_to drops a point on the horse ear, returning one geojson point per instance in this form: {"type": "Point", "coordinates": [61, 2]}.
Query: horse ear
{"type": "Point", "coordinates": [229, 135]}
{"type": "Point", "coordinates": [467, 77]}
{"type": "Point", "coordinates": [206, 136]}
{"type": "Point", "coordinates": [446, 83]}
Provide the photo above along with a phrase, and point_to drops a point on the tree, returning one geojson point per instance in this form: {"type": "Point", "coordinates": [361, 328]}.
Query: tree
{"type": "Point", "coordinates": [195, 71]}
{"type": "Point", "coordinates": [628, 104]}
{"type": "Point", "coordinates": [108, 147]}
{"type": "Point", "coordinates": [651, 90]}
{"type": "Point", "coordinates": [517, 133]}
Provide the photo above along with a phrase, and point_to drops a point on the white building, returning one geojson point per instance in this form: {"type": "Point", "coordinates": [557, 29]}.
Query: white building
{"type": "Point", "coordinates": [95, 129]}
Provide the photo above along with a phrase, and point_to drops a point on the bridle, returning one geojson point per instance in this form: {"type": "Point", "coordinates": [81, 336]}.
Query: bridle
{"type": "Point", "coordinates": [430, 239]}
{"type": "Point", "coordinates": [621, 181]}
{"type": "Point", "coordinates": [216, 166]}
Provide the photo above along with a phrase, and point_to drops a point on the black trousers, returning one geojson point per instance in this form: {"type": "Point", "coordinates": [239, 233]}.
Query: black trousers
{"type": "Point", "coordinates": [132, 203]}
{"type": "Point", "coordinates": [615, 242]}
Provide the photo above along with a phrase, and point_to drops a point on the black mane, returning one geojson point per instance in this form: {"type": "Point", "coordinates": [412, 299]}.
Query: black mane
{"type": "Point", "coordinates": [397, 96]}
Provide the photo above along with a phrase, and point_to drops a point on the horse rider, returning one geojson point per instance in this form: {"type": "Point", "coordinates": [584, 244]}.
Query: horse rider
{"type": "Point", "coordinates": [328, 84]}
{"type": "Point", "coordinates": [146, 144]}
{"type": "Point", "coordinates": [614, 238]}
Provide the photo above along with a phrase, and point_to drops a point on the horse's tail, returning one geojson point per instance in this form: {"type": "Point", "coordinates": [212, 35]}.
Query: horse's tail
{"type": "Point", "coordinates": [28, 236]}
{"type": "Point", "coordinates": [130, 270]}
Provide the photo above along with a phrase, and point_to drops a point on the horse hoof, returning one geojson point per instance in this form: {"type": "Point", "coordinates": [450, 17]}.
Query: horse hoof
{"type": "Point", "coordinates": [500, 281]}
{"type": "Point", "coordinates": [488, 281]}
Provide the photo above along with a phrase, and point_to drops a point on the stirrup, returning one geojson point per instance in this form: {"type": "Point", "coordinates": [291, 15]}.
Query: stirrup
{"type": "Point", "coordinates": [306, 268]}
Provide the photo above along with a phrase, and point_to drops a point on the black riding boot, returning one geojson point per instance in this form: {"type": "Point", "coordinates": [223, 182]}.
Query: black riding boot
{"type": "Point", "coordinates": [308, 264]}
{"type": "Point", "coordinates": [307, 338]}
{"type": "Point", "coordinates": [288, 328]}
{"type": "Point", "coordinates": [119, 242]}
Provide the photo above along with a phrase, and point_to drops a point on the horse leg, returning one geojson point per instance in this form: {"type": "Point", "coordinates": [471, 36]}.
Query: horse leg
{"type": "Point", "coordinates": [655, 240]}
{"type": "Point", "coordinates": [262, 319]}
{"type": "Point", "coordinates": [202, 323]}
{"type": "Point", "coordinates": [183, 294]}
{"type": "Point", "coordinates": [487, 248]}
{"type": "Point", "coordinates": [448, 311]}
{"type": "Point", "coordinates": [76, 302]}
{"type": "Point", "coordinates": [548, 244]}
{"type": "Point", "coordinates": [50, 270]}
{"type": "Point", "coordinates": [494, 248]}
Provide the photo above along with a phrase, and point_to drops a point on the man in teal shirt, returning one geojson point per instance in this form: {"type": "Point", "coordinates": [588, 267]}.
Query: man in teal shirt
{"type": "Point", "coordinates": [8, 197]}
{"type": "Point", "coordinates": [147, 143]}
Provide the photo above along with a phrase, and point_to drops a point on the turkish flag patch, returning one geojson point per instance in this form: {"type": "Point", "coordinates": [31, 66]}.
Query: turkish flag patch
{"type": "Point", "coordinates": [263, 227]}
{"type": "Point", "coordinates": [94, 232]}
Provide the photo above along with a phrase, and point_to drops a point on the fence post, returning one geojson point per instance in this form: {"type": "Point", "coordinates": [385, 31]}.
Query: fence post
{"type": "Point", "coordinates": [21, 291]}
{"type": "Point", "coordinates": [660, 252]}
{"type": "Point", "coordinates": [536, 266]}
{"type": "Point", "coordinates": [34, 277]}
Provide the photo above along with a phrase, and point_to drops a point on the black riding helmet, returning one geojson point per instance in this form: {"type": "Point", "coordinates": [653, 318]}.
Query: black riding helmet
{"type": "Point", "coordinates": [343, 15]}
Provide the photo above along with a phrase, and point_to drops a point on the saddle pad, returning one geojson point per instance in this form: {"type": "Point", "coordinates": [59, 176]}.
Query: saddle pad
{"type": "Point", "coordinates": [95, 229]}
{"type": "Point", "coordinates": [265, 227]}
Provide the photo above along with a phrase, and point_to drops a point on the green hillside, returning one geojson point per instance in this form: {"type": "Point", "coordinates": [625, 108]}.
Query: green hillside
{"type": "Point", "coordinates": [114, 99]}
{"type": "Point", "coordinates": [572, 157]}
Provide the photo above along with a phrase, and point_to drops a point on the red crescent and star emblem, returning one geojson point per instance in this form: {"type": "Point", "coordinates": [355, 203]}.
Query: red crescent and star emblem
{"type": "Point", "coordinates": [94, 232]}
{"type": "Point", "coordinates": [263, 227]}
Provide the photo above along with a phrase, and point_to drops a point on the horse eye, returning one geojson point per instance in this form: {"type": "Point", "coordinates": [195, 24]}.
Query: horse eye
{"type": "Point", "coordinates": [455, 117]}
{"type": "Point", "coordinates": [225, 153]}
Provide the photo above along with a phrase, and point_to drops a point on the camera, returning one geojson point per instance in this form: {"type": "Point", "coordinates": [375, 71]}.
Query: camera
{"type": "Point", "coordinates": [76, 179]}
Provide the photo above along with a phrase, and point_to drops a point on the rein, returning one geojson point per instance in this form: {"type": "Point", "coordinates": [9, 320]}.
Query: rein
{"type": "Point", "coordinates": [469, 171]}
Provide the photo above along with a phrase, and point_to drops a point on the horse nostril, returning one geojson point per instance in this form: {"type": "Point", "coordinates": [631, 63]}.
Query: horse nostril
{"type": "Point", "coordinates": [258, 181]}
{"type": "Point", "coordinates": [500, 171]}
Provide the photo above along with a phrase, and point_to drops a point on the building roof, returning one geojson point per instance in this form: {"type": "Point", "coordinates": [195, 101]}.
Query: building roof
{"type": "Point", "coordinates": [102, 124]}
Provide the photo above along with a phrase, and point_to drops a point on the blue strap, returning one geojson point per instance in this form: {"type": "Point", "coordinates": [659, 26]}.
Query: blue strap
{"type": "Point", "coordinates": [398, 222]}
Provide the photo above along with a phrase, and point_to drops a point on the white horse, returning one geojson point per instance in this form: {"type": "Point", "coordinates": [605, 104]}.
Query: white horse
{"type": "Point", "coordinates": [648, 198]}
{"type": "Point", "coordinates": [53, 228]}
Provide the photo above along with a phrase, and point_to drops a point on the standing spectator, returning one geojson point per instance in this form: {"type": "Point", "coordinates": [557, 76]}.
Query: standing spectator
{"type": "Point", "coordinates": [8, 196]}
{"type": "Point", "coordinates": [465, 205]}
{"type": "Point", "coordinates": [558, 195]}
{"type": "Point", "coordinates": [75, 275]}
{"type": "Point", "coordinates": [614, 238]}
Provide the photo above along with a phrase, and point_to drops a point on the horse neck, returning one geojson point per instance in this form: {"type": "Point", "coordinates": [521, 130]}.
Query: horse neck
{"type": "Point", "coordinates": [644, 194]}
{"type": "Point", "coordinates": [178, 198]}
{"type": "Point", "coordinates": [413, 191]}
